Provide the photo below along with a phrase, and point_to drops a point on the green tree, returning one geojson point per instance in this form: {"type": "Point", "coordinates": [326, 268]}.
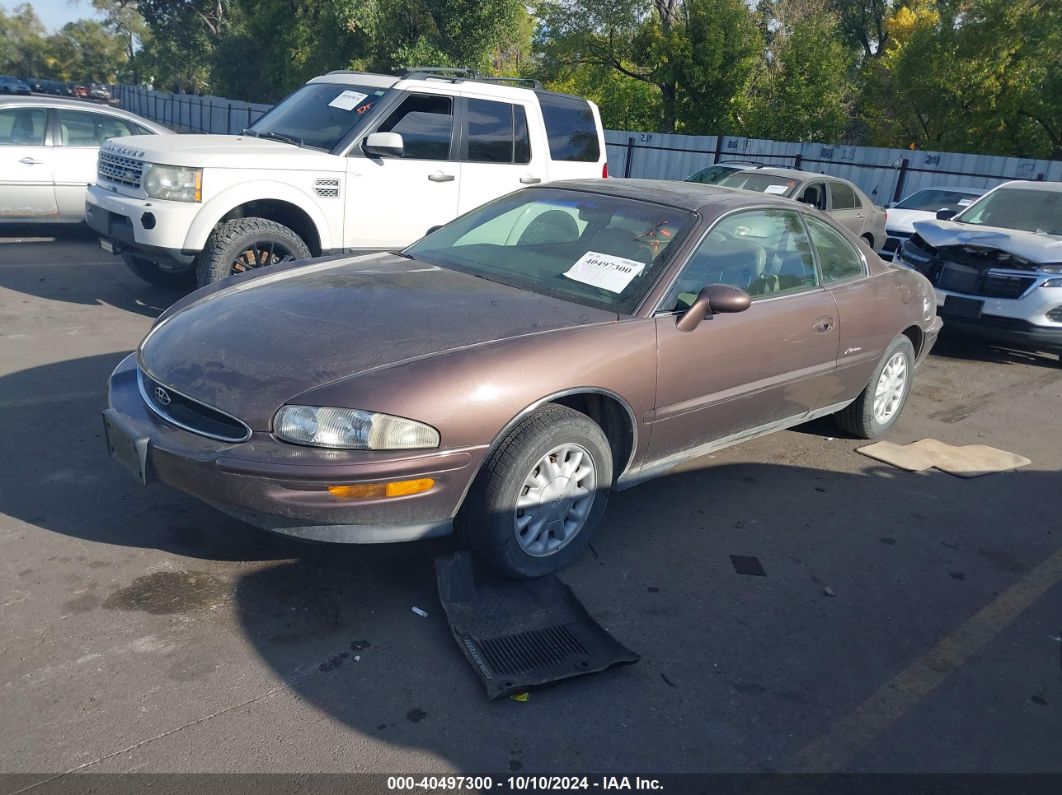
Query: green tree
{"type": "Point", "coordinates": [22, 45]}
{"type": "Point", "coordinates": [85, 51]}
{"type": "Point", "coordinates": [698, 55]}
{"type": "Point", "coordinates": [803, 89]}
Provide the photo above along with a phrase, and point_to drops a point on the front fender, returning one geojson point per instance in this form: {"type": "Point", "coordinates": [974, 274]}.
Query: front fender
{"type": "Point", "coordinates": [256, 190]}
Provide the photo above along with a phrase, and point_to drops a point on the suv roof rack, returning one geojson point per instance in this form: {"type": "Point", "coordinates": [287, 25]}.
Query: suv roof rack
{"type": "Point", "coordinates": [455, 74]}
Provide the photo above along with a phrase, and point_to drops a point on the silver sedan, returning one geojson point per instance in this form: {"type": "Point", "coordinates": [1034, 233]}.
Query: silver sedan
{"type": "Point", "coordinates": [48, 148]}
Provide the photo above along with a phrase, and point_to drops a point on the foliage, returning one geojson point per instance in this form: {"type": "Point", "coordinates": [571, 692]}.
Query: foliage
{"type": "Point", "coordinates": [962, 75]}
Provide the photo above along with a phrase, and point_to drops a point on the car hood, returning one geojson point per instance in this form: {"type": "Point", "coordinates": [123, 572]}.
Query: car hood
{"type": "Point", "coordinates": [223, 151]}
{"type": "Point", "coordinates": [1027, 245]}
{"type": "Point", "coordinates": [903, 220]}
{"type": "Point", "coordinates": [249, 348]}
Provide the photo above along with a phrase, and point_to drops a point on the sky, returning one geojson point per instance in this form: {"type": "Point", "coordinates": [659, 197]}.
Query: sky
{"type": "Point", "coordinates": [56, 13]}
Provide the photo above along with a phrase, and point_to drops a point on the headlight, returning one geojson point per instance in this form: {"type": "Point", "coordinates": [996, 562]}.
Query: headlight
{"type": "Point", "coordinates": [351, 429]}
{"type": "Point", "coordinates": [175, 183]}
{"type": "Point", "coordinates": [1052, 283]}
{"type": "Point", "coordinates": [1050, 268]}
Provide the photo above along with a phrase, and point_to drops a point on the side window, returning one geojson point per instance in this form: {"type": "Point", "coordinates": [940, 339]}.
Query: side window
{"type": "Point", "coordinates": [522, 138]}
{"type": "Point", "coordinates": [83, 128]}
{"type": "Point", "coordinates": [838, 259]}
{"type": "Point", "coordinates": [426, 123]}
{"type": "Point", "coordinates": [23, 126]}
{"type": "Point", "coordinates": [842, 196]}
{"type": "Point", "coordinates": [814, 194]}
{"type": "Point", "coordinates": [570, 128]}
{"type": "Point", "coordinates": [497, 132]}
{"type": "Point", "coordinates": [764, 252]}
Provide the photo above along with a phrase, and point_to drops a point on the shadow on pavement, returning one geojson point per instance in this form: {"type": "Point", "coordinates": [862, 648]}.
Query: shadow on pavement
{"type": "Point", "coordinates": [69, 273]}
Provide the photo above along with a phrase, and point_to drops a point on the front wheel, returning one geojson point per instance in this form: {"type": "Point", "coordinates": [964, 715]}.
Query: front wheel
{"type": "Point", "coordinates": [244, 244]}
{"type": "Point", "coordinates": [878, 406]}
{"type": "Point", "coordinates": [151, 273]}
{"type": "Point", "coordinates": [540, 496]}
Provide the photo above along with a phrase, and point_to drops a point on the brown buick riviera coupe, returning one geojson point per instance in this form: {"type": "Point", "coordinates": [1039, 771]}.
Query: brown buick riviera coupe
{"type": "Point", "coordinates": [503, 374]}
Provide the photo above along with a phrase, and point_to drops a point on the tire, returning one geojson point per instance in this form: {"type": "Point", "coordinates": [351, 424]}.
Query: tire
{"type": "Point", "coordinates": [859, 418]}
{"type": "Point", "coordinates": [490, 521]}
{"type": "Point", "coordinates": [243, 244]}
{"type": "Point", "coordinates": [151, 273]}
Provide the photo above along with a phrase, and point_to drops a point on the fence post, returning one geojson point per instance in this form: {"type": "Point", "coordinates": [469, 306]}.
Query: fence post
{"type": "Point", "coordinates": [718, 148]}
{"type": "Point", "coordinates": [901, 180]}
{"type": "Point", "coordinates": [228, 119]}
{"type": "Point", "coordinates": [629, 157]}
{"type": "Point", "coordinates": [248, 115]}
{"type": "Point", "coordinates": [798, 160]}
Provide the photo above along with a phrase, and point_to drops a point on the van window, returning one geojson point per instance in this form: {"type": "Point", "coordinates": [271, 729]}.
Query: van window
{"type": "Point", "coordinates": [497, 132]}
{"type": "Point", "coordinates": [426, 123]}
{"type": "Point", "coordinates": [570, 128]}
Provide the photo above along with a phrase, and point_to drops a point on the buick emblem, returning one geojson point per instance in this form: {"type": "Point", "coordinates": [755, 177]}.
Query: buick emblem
{"type": "Point", "coordinates": [162, 396]}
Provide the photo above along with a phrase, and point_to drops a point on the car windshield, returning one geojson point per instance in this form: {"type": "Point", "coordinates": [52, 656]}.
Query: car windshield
{"type": "Point", "coordinates": [760, 182]}
{"type": "Point", "coordinates": [1025, 209]}
{"type": "Point", "coordinates": [319, 114]}
{"type": "Point", "coordinates": [596, 250]}
{"type": "Point", "coordinates": [934, 199]}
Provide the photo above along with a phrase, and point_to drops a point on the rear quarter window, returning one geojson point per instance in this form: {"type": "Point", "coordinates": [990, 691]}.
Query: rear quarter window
{"type": "Point", "coordinates": [570, 128]}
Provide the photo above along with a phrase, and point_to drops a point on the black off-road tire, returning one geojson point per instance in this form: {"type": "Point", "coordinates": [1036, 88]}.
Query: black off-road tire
{"type": "Point", "coordinates": [230, 239]}
{"type": "Point", "coordinates": [858, 417]}
{"type": "Point", "coordinates": [151, 273]}
{"type": "Point", "coordinates": [486, 520]}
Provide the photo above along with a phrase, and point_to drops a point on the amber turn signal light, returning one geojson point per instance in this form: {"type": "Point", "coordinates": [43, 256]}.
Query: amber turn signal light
{"type": "Point", "coordinates": [378, 491]}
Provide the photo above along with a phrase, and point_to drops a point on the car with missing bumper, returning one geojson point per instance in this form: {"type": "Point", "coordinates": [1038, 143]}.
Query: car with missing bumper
{"type": "Point", "coordinates": [922, 205]}
{"type": "Point", "coordinates": [503, 374]}
{"type": "Point", "coordinates": [997, 265]}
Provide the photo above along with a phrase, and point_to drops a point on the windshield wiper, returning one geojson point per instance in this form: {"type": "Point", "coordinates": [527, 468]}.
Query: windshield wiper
{"type": "Point", "coordinates": [281, 137]}
{"type": "Point", "coordinates": [248, 131]}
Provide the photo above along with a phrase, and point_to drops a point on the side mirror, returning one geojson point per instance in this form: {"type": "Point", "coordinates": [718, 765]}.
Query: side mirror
{"type": "Point", "coordinates": [435, 228]}
{"type": "Point", "coordinates": [384, 144]}
{"type": "Point", "coordinates": [710, 300]}
{"type": "Point", "coordinates": [945, 214]}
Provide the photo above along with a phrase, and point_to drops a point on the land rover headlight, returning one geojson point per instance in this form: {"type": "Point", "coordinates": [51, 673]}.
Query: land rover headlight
{"type": "Point", "coordinates": [175, 183]}
{"type": "Point", "coordinates": [351, 429]}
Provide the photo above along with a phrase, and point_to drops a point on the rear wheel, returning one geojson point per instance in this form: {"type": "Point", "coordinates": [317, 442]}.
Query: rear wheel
{"type": "Point", "coordinates": [541, 494]}
{"type": "Point", "coordinates": [878, 406]}
{"type": "Point", "coordinates": [153, 274]}
{"type": "Point", "coordinates": [244, 244]}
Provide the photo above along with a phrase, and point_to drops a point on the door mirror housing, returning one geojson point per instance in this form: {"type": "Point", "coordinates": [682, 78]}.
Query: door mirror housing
{"type": "Point", "coordinates": [946, 214]}
{"type": "Point", "coordinates": [715, 298]}
{"type": "Point", "coordinates": [384, 144]}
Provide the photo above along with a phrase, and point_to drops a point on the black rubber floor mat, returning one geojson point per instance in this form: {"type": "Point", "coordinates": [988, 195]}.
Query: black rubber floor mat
{"type": "Point", "coordinates": [520, 635]}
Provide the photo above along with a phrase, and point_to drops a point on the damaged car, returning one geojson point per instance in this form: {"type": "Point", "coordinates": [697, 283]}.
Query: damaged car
{"type": "Point", "coordinates": [503, 374]}
{"type": "Point", "coordinates": [997, 265]}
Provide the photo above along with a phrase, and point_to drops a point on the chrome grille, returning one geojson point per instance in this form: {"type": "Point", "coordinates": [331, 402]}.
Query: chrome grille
{"type": "Point", "coordinates": [191, 415]}
{"type": "Point", "coordinates": [120, 170]}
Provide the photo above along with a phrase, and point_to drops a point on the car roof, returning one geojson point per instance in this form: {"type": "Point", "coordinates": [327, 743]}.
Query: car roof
{"type": "Point", "coordinates": [957, 189]}
{"type": "Point", "coordinates": [77, 104]}
{"type": "Point", "coordinates": [793, 173]}
{"type": "Point", "coordinates": [1028, 184]}
{"type": "Point", "coordinates": [694, 196]}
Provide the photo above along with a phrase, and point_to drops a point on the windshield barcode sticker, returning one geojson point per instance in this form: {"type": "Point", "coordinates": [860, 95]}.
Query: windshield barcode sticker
{"type": "Point", "coordinates": [605, 271]}
{"type": "Point", "coordinates": [347, 100]}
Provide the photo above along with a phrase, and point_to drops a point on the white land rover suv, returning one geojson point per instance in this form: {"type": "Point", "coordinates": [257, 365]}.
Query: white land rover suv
{"type": "Point", "coordinates": [350, 161]}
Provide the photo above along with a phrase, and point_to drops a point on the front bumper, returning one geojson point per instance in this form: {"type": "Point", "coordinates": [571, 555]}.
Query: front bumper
{"type": "Point", "coordinates": [284, 488]}
{"type": "Point", "coordinates": [149, 228]}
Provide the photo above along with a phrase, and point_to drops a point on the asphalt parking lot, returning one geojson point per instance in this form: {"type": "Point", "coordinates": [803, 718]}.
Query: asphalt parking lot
{"type": "Point", "coordinates": [906, 622]}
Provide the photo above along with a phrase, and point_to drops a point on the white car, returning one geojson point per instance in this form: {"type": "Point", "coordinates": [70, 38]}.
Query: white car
{"type": "Point", "coordinates": [922, 205]}
{"type": "Point", "coordinates": [997, 265]}
{"type": "Point", "coordinates": [349, 162]}
{"type": "Point", "coordinates": [48, 151]}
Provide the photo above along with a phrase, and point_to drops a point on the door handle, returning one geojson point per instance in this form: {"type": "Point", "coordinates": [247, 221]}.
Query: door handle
{"type": "Point", "coordinates": [438, 176]}
{"type": "Point", "coordinates": [529, 180]}
{"type": "Point", "coordinates": [824, 325]}
{"type": "Point", "coordinates": [31, 161]}
{"type": "Point", "coordinates": [860, 216]}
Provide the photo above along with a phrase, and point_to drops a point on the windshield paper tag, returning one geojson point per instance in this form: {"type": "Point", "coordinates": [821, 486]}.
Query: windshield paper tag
{"type": "Point", "coordinates": [605, 271]}
{"type": "Point", "coordinates": [778, 190]}
{"type": "Point", "coordinates": [347, 100]}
